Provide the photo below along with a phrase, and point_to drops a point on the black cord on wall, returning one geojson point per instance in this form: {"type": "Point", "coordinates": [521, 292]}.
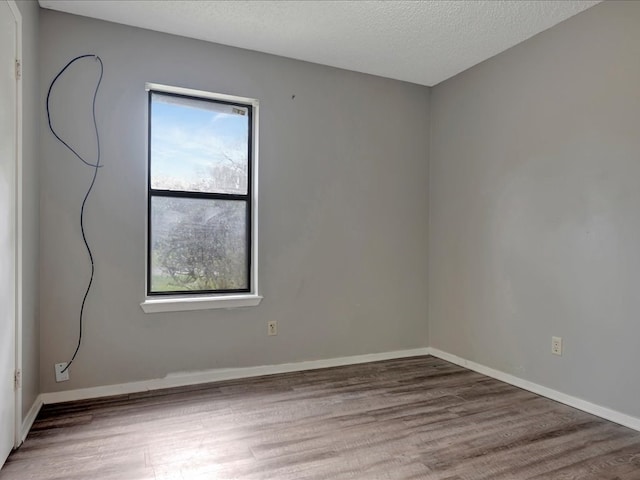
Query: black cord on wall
{"type": "Point", "coordinates": [95, 167]}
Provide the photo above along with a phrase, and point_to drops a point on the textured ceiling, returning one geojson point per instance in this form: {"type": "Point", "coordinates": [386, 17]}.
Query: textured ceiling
{"type": "Point", "coordinates": [424, 42]}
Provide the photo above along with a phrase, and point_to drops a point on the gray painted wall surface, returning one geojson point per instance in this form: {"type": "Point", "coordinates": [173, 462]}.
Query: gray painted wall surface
{"type": "Point", "coordinates": [30, 204]}
{"type": "Point", "coordinates": [535, 209]}
{"type": "Point", "coordinates": [343, 197]}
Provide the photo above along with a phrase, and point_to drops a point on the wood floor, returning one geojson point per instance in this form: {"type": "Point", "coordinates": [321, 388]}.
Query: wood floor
{"type": "Point", "coordinates": [416, 418]}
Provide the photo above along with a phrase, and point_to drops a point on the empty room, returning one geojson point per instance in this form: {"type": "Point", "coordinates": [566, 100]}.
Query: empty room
{"type": "Point", "coordinates": [251, 240]}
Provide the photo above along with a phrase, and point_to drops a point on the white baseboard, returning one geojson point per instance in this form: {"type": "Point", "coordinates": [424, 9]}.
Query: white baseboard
{"type": "Point", "coordinates": [216, 375]}
{"type": "Point", "coordinates": [30, 418]}
{"type": "Point", "coordinates": [208, 376]}
{"type": "Point", "coordinates": [603, 412]}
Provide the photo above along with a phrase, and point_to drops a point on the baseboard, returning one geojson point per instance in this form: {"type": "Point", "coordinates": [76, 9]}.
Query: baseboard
{"type": "Point", "coordinates": [30, 418]}
{"type": "Point", "coordinates": [208, 376]}
{"type": "Point", "coordinates": [216, 375]}
{"type": "Point", "coordinates": [585, 406]}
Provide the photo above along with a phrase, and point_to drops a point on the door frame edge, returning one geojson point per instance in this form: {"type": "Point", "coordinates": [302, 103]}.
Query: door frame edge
{"type": "Point", "coordinates": [17, 437]}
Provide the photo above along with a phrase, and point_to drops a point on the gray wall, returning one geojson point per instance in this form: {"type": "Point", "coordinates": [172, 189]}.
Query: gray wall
{"type": "Point", "coordinates": [535, 209]}
{"type": "Point", "coordinates": [343, 196]}
{"type": "Point", "coordinates": [30, 206]}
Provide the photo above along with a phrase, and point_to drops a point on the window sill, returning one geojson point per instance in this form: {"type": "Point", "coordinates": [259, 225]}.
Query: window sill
{"type": "Point", "coordinates": [183, 304]}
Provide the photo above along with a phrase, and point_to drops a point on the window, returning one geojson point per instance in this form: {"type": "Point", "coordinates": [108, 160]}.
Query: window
{"type": "Point", "coordinates": [202, 210]}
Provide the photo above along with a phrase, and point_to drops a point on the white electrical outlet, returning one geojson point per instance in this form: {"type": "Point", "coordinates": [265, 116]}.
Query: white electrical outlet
{"type": "Point", "coordinates": [272, 328]}
{"type": "Point", "coordinates": [61, 377]}
{"type": "Point", "coordinates": [556, 345]}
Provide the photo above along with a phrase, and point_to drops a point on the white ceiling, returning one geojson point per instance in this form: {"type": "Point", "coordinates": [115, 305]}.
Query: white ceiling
{"type": "Point", "coordinates": [424, 42]}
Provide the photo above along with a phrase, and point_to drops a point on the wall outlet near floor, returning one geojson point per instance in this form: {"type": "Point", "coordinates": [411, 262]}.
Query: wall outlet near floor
{"type": "Point", "coordinates": [61, 377]}
{"type": "Point", "coordinates": [556, 345]}
{"type": "Point", "coordinates": [272, 328]}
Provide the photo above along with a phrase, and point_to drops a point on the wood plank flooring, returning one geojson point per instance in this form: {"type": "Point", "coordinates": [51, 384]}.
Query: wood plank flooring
{"type": "Point", "coordinates": [416, 418]}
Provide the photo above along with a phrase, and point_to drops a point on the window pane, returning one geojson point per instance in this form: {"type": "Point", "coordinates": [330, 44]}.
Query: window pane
{"type": "Point", "coordinates": [198, 244]}
{"type": "Point", "coordinates": [198, 145]}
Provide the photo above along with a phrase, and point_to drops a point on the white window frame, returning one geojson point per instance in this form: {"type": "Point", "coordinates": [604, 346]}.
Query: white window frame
{"type": "Point", "coordinates": [178, 303]}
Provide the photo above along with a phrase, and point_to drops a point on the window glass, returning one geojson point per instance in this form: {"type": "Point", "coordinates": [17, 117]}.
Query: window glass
{"type": "Point", "coordinates": [199, 145]}
{"type": "Point", "coordinates": [200, 198]}
{"type": "Point", "coordinates": [198, 244]}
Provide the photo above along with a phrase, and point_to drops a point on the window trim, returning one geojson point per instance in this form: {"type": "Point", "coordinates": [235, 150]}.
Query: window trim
{"type": "Point", "coordinates": [182, 301]}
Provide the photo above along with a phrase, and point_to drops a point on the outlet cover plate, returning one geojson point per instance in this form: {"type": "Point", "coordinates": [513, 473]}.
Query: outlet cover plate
{"type": "Point", "coordinates": [272, 328]}
{"type": "Point", "coordinates": [61, 377]}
